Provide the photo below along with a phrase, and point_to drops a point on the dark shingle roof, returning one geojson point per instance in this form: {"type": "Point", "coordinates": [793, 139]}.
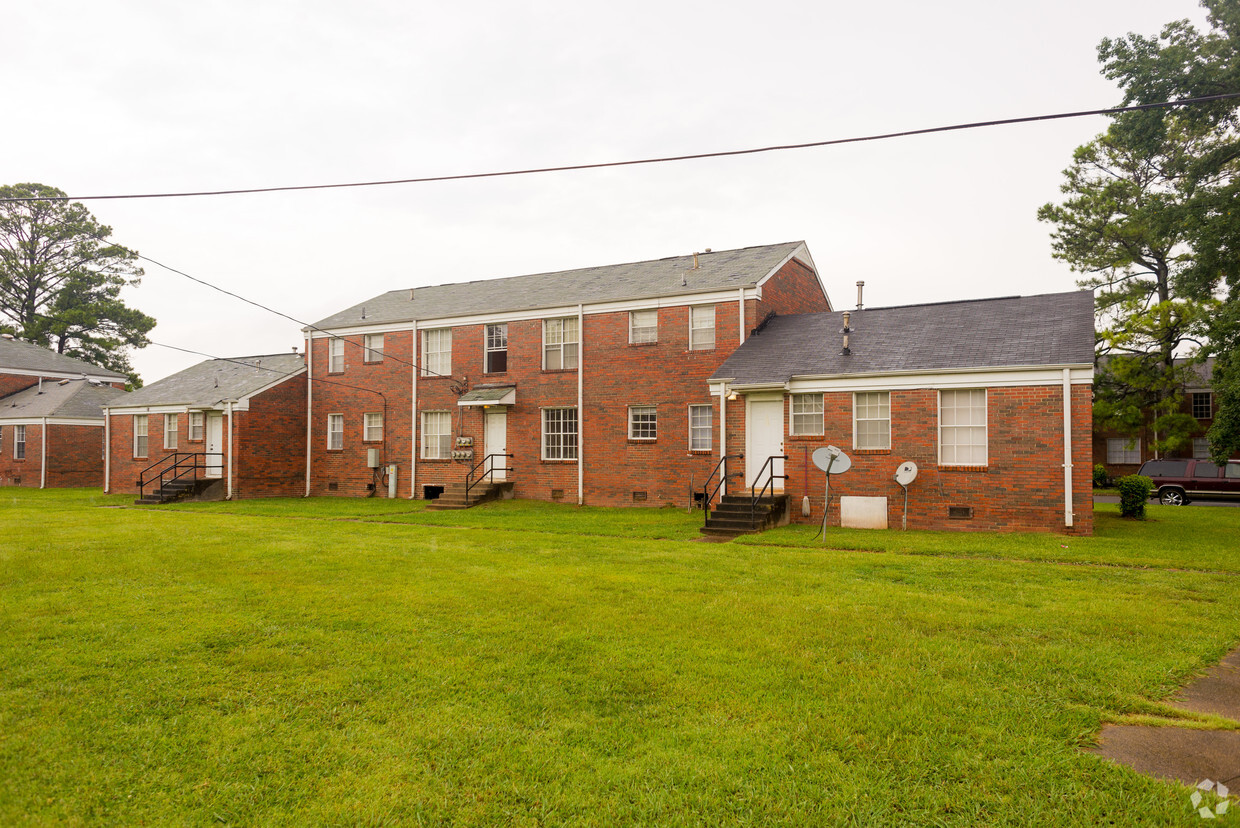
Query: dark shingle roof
{"type": "Point", "coordinates": [717, 270]}
{"type": "Point", "coordinates": [1051, 329]}
{"type": "Point", "coordinates": [210, 383]}
{"type": "Point", "coordinates": [77, 399]}
{"type": "Point", "coordinates": [25, 356]}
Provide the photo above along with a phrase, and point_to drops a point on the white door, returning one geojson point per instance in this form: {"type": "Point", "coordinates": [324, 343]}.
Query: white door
{"type": "Point", "coordinates": [765, 438]}
{"type": "Point", "coordinates": [215, 445]}
{"type": "Point", "coordinates": [497, 442]}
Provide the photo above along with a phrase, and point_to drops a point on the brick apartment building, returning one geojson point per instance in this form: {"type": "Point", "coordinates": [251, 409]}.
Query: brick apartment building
{"type": "Point", "coordinates": [991, 399]}
{"type": "Point", "coordinates": [594, 380]}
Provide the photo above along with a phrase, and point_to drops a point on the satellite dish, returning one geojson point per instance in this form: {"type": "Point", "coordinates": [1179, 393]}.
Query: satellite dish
{"type": "Point", "coordinates": [831, 460]}
{"type": "Point", "coordinates": [907, 473]}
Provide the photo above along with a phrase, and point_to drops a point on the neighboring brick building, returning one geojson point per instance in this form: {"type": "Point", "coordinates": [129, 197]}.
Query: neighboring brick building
{"type": "Point", "coordinates": [594, 379]}
{"type": "Point", "coordinates": [51, 434]}
{"type": "Point", "coordinates": [244, 420]}
{"type": "Point", "coordinates": [990, 398]}
{"type": "Point", "coordinates": [23, 364]}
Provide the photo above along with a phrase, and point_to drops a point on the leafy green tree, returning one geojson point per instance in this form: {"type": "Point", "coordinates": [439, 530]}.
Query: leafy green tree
{"type": "Point", "coordinates": [61, 279]}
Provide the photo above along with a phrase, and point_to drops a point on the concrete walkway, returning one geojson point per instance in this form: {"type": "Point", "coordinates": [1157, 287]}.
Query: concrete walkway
{"type": "Point", "coordinates": [1189, 756]}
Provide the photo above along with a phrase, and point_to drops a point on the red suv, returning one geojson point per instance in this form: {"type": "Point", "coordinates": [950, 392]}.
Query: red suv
{"type": "Point", "coordinates": [1181, 481]}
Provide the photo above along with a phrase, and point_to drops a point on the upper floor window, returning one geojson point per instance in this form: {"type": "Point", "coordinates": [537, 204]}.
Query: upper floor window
{"type": "Point", "coordinates": [19, 442]}
{"type": "Point", "coordinates": [560, 343]}
{"type": "Point", "coordinates": [437, 353]}
{"type": "Point", "coordinates": [872, 420]}
{"type": "Point", "coordinates": [496, 349]}
{"type": "Point", "coordinates": [1203, 405]}
{"type": "Point", "coordinates": [195, 425]}
{"type": "Point", "coordinates": [643, 326]}
{"type": "Point", "coordinates": [700, 427]}
{"type": "Point", "coordinates": [807, 413]}
{"type": "Point", "coordinates": [374, 347]}
{"type": "Point", "coordinates": [372, 431]}
{"type": "Point", "coordinates": [962, 428]}
{"type": "Point", "coordinates": [139, 435]}
{"type": "Point", "coordinates": [335, 355]}
{"type": "Point", "coordinates": [1123, 450]}
{"type": "Point", "coordinates": [171, 423]}
{"type": "Point", "coordinates": [335, 432]}
{"type": "Point", "coordinates": [643, 422]}
{"type": "Point", "coordinates": [702, 328]}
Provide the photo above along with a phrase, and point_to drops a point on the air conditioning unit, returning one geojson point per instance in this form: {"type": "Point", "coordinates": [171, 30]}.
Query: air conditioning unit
{"type": "Point", "coordinates": [372, 458]}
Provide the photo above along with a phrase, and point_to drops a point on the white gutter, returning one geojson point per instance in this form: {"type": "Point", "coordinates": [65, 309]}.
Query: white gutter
{"type": "Point", "coordinates": [413, 413]}
{"type": "Point", "coordinates": [581, 414]}
{"type": "Point", "coordinates": [107, 450]}
{"type": "Point", "coordinates": [43, 462]}
{"type": "Point", "coordinates": [309, 406]}
{"type": "Point", "coordinates": [1067, 448]}
{"type": "Point", "coordinates": [228, 408]}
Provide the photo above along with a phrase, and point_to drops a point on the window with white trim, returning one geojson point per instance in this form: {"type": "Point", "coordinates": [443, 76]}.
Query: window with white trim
{"type": "Point", "coordinates": [171, 423]}
{"type": "Point", "coordinates": [701, 427]}
{"type": "Point", "coordinates": [643, 326]}
{"type": "Point", "coordinates": [806, 414]}
{"type": "Point", "coordinates": [436, 435]}
{"type": "Point", "coordinates": [702, 328]}
{"type": "Point", "coordinates": [335, 356]}
{"type": "Point", "coordinates": [437, 352]}
{"type": "Point", "coordinates": [335, 432]}
{"type": "Point", "coordinates": [1123, 450]}
{"type": "Point", "coordinates": [139, 435]}
{"type": "Point", "coordinates": [195, 426]}
{"type": "Point", "coordinates": [1201, 448]}
{"type": "Point", "coordinates": [643, 422]}
{"type": "Point", "coordinates": [1203, 405]}
{"type": "Point", "coordinates": [559, 434]}
{"type": "Point", "coordinates": [872, 420]}
{"type": "Point", "coordinates": [372, 427]}
{"type": "Point", "coordinates": [962, 428]}
{"type": "Point", "coordinates": [374, 347]}
{"type": "Point", "coordinates": [560, 343]}
{"type": "Point", "coordinates": [496, 349]}
{"type": "Point", "coordinates": [19, 442]}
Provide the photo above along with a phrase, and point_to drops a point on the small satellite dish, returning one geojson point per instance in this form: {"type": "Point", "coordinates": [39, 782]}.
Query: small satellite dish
{"type": "Point", "coordinates": [907, 473]}
{"type": "Point", "coordinates": [831, 460]}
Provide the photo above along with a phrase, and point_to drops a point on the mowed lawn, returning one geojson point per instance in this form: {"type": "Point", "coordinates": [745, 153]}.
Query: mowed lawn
{"type": "Point", "coordinates": [293, 662]}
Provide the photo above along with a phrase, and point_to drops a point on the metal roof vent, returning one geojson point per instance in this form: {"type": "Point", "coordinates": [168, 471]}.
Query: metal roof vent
{"type": "Point", "coordinates": [846, 331]}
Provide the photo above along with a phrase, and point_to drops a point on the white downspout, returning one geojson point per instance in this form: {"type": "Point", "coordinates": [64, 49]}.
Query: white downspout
{"type": "Point", "coordinates": [723, 435]}
{"type": "Point", "coordinates": [107, 450]}
{"type": "Point", "coordinates": [309, 404]}
{"type": "Point", "coordinates": [413, 416]}
{"type": "Point", "coordinates": [228, 404]}
{"type": "Point", "coordinates": [581, 414]}
{"type": "Point", "coordinates": [43, 462]}
{"type": "Point", "coordinates": [1067, 447]}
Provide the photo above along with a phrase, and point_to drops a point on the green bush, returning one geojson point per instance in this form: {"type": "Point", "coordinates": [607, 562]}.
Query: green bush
{"type": "Point", "coordinates": [1100, 476]}
{"type": "Point", "coordinates": [1134, 490]}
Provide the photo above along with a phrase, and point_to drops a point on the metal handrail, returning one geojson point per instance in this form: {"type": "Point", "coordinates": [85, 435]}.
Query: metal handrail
{"type": "Point", "coordinates": [489, 459]}
{"type": "Point", "coordinates": [770, 482]}
{"type": "Point", "coordinates": [721, 468]}
{"type": "Point", "coordinates": [174, 467]}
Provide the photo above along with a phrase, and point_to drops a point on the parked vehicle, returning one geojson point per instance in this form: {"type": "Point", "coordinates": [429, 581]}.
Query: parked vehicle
{"type": "Point", "coordinates": [1179, 480]}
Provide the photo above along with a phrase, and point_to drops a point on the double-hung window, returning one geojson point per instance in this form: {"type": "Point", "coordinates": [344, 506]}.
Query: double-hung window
{"type": "Point", "coordinates": [437, 352]}
{"type": "Point", "coordinates": [19, 442]}
{"type": "Point", "coordinates": [560, 343]}
{"type": "Point", "coordinates": [195, 426]}
{"type": "Point", "coordinates": [806, 414]}
{"type": "Point", "coordinates": [374, 347]}
{"type": "Point", "coordinates": [335, 355]}
{"type": "Point", "coordinates": [643, 327]}
{"type": "Point", "coordinates": [962, 428]}
{"type": "Point", "coordinates": [372, 431]}
{"type": "Point", "coordinates": [872, 420]}
{"type": "Point", "coordinates": [496, 349]}
{"type": "Point", "coordinates": [139, 435]}
{"type": "Point", "coordinates": [436, 435]}
{"type": "Point", "coordinates": [643, 422]}
{"type": "Point", "coordinates": [1123, 450]}
{"type": "Point", "coordinates": [171, 424]}
{"type": "Point", "coordinates": [1203, 405]}
{"type": "Point", "coordinates": [702, 328]}
{"type": "Point", "coordinates": [700, 427]}
{"type": "Point", "coordinates": [559, 434]}
{"type": "Point", "coordinates": [335, 432]}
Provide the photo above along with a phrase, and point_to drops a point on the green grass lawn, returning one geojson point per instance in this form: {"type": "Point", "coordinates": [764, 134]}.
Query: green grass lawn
{"type": "Point", "coordinates": [369, 662]}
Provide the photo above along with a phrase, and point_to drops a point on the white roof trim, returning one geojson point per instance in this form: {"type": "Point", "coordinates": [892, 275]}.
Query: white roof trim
{"type": "Point", "coordinates": [59, 375]}
{"type": "Point", "coordinates": [74, 421]}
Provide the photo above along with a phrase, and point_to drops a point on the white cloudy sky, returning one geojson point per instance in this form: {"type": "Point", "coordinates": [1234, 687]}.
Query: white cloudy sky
{"type": "Point", "coordinates": [136, 96]}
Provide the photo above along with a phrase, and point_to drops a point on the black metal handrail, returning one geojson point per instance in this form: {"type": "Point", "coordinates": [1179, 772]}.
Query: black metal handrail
{"type": "Point", "coordinates": [771, 477]}
{"type": "Point", "coordinates": [174, 466]}
{"type": "Point", "coordinates": [489, 462]}
{"type": "Point", "coordinates": [721, 469]}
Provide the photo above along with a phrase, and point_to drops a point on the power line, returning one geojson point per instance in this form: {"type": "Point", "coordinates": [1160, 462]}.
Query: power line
{"type": "Point", "coordinates": [662, 160]}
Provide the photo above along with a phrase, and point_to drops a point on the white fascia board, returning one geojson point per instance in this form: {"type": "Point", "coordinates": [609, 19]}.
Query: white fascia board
{"type": "Point", "coordinates": [359, 330]}
{"type": "Point", "coordinates": [75, 421]}
{"type": "Point", "coordinates": [965, 378]}
{"type": "Point", "coordinates": [147, 409]}
{"type": "Point", "coordinates": [59, 375]}
{"type": "Point", "coordinates": [802, 253]}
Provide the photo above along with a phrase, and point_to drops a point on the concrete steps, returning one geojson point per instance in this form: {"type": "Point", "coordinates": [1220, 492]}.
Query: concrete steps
{"type": "Point", "coordinates": [736, 515]}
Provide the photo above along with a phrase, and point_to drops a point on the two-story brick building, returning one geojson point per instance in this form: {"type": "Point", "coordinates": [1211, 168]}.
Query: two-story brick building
{"type": "Point", "coordinates": [594, 380]}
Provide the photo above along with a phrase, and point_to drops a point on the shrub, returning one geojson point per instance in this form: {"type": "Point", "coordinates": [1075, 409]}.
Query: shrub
{"type": "Point", "coordinates": [1100, 476]}
{"type": "Point", "coordinates": [1134, 490]}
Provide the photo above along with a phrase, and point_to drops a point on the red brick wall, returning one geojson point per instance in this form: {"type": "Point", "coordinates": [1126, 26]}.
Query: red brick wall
{"type": "Point", "coordinates": [24, 472]}
{"type": "Point", "coordinates": [794, 289]}
{"type": "Point", "coordinates": [269, 443]}
{"type": "Point", "coordinates": [1021, 489]}
{"type": "Point", "coordinates": [74, 455]}
{"type": "Point", "coordinates": [125, 468]}
{"type": "Point", "coordinates": [12, 383]}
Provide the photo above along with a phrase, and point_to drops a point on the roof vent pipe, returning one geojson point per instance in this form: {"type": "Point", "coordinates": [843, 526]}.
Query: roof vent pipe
{"type": "Point", "coordinates": [695, 261]}
{"type": "Point", "coordinates": [860, 285]}
{"type": "Point", "coordinates": [847, 330]}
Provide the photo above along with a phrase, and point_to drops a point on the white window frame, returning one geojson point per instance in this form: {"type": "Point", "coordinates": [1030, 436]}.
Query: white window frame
{"type": "Point", "coordinates": [963, 447]}
{"type": "Point", "coordinates": [197, 426]}
{"type": "Point", "coordinates": [436, 435]}
{"type": "Point", "coordinates": [19, 442]}
{"type": "Point", "coordinates": [335, 355]}
{"type": "Point", "coordinates": [806, 415]}
{"type": "Point", "coordinates": [644, 326]}
{"type": "Point", "coordinates": [644, 423]}
{"type": "Point", "coordinates": [701, 427]}
{"type": "Point", "coordinates": [172, 423]}
{"type": "Point", "coordinates": [335, 432]}
{"type": "Point", "coordinates": [139, 435]}
{"type": "Point", "coordinates": [1201, 448]}
{"type": "Point", "coordinates": [1124, 450]}
{"type": "Point", "coordinates": [373, 344]}
{"type": "Point", "coordinates": [494, 343]}
{"type": "Point", "coordinates": [702, 328]}
{"type": "Point", "coordinates": [372, 427]}
{"type": "Point", "coordinates": [1209, 405]}
{"type": "Point", "coordinates": [437, 352]}
{"type": "Point", "coordinates": [871, 407]}
{"type": "Point", "coordinates": [560, 343]}
{"type": "Point", "coordinates": [565, 433]}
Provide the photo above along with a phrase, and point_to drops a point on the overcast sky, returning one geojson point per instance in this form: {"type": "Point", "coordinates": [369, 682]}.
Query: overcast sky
{"type": "Point", "coordinates": [157, 96]}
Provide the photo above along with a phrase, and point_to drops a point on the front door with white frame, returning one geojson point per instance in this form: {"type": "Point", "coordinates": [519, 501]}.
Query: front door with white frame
{"type": "Point", "coordinates": [215, 445]}
{"type": "Point", "coordinates": [497, 442]}
{"type": "Point", "coordinates": [765, 438]}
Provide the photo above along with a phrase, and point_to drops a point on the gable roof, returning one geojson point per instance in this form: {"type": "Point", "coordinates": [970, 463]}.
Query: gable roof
{"type": "Point", "coordinates": [717, 270]}
{"type": "Point", "coordinates": [209, 383]}
{"type": "Point", "coordinates": [23, 357]}
{"type": "Point", "coordinates": [1051, 329]}
{"type": "Point", "coordinates": [68, 399]}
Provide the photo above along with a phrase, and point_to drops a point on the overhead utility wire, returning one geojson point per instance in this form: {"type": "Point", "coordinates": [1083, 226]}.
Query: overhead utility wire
{"type": "Point", "coordinates": [691, 157]}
